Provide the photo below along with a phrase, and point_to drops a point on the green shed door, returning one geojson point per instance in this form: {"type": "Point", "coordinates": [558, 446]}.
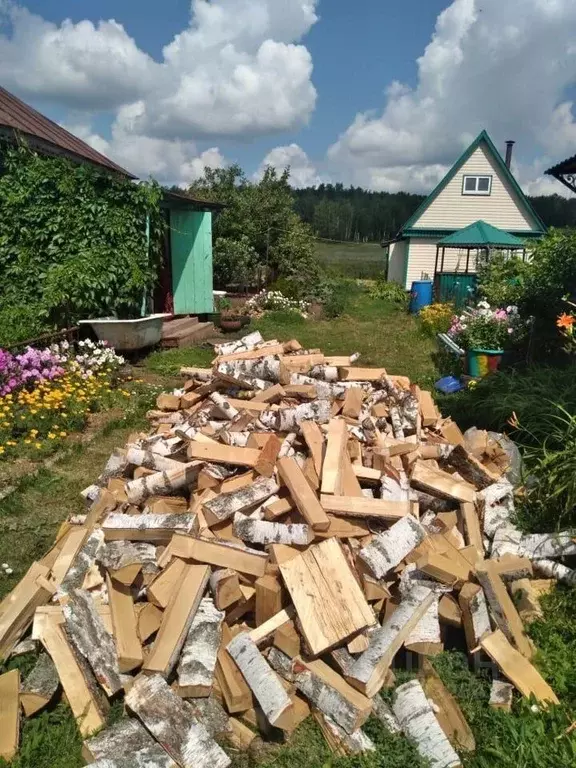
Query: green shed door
{"type": "Point", "coordinates": [191, 247]}
{"type": "Point", "coordinates": [455, 287]}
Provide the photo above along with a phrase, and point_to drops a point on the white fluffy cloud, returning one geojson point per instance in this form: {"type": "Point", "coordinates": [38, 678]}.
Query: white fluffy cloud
{"type": "Point", "coordinates": [302, 171]}
{"type": "Point", "coordinates": [238, 70]}
{"type": "Point", "coordinates": [503, 66]}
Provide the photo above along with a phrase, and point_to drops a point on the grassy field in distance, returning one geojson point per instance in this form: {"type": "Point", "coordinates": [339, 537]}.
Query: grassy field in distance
{"type": "Point", "coordinates": [363, 260]}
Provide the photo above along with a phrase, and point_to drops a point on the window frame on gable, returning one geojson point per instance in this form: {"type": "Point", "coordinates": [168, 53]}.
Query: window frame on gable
{"type": "Point", "coordinates": [476, 191]}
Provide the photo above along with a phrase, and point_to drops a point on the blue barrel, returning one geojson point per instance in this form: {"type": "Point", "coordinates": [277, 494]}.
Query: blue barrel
{"type": "Point", "coordinates": [420, 295]}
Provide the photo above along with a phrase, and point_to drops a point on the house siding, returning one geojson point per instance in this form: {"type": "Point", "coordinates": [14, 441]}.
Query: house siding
{"type": "Point", "coordinates": [397, 261]}
{"type": "Point", "coordinates": [453, 210]}
{"type": "Point", "coordinates": [422, 259]}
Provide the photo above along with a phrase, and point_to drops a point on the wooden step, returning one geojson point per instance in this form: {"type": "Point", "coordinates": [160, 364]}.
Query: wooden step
{"type": "Point", "coordinates": [189, 336]}
{"type": "Point", "coordinates": [172, 325]}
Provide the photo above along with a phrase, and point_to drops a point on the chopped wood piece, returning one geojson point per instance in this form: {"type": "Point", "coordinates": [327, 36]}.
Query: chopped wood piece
{"type": "Point", "coordinates": [449, 611]}
{"type": "Point", "coordinates": [368, 474]}
{"type": "Point", "coordinates": [225, 588]}
{"type": "Point", "coordinates": [226, 505]}
{"type": "Point", "coordinates": [76, 679]}
{"type": "Point", "coordinates": [171, 722]}
{"type": "Point", "coordinates": [161, 588]}
{"type": "Point", "coordinates": [330, 604]}
{"type": "Point", "coordinates": [368, 672]}
{"type": "Point", "coordinates": [270, 394]}
{"type": "Point", "coordinates": [17, 608]}
{"type": "Point", "coordinates": [268, 598]}
{"type": "Point", "coordinates": [91, 638]}
{"type": "Point", "coordinates": [353, 506]}
{"type": "Point", "coordinates": [223, 454]}
{"type": "Point", "coordinates": [348, 373]}
{"type": "Point", "coordinates": [512, 568]}
{"type": "Point", "coordinates": [262, 680]}
{"type": "Point", "coordinates": [235, 690]}
{"type": "Point", "coordinates": [388, 549]}
{"type": "Point", "coordinates": [264, 532]}
{"type": "Point", "coordinates": [471, 469]}
{"type": "Point", "coordinates": [38, 689]}
{"type": "Point", "coordinates": [9, 714]}
{"type": "Point", "coordinates": [151, 460]}
{"type": "Point", "coordinates": [448, 712]}
{"type": "Point", "coordinates": [419, 723]}
{"type": "Point", "coordinates": [149, 620]}
{"type": "Point", "coordinates": [503, 608]}
{"type": "Point", "coordinates": [451, 432]}
{"type": "Point", "coordinates": [240, 736]}
{"type": "Point", "coordinates": [428, 409]}
{"type": "Point", "coordinates": [440, 483]}
{"type": "Point", "coordinates": [276, 509]}
{"type": "Point", "coordinates": [328, 691]}
{"type": "Point", "coordinates": [314, 439]}
{"type": "Point", "coordinates": [156, 528]}
{"type": "Point", "coordinates": [304, 497]}
{"type": "Point", "coordinates": [517, 668]}
{"type": "Point", "coordinates": [166, 402]}
{"type": "Point", "coordinates": [443, 569]}
{"type": "Point", "coordinates": [341, 528]}
{"type": "Point", "coordinates": [72, 544]}
{"type": "Point", "coordinates": [526, 600]}
{"type": "Point", "coordinates": [475, 616]}
{"type": "Point", "coordinates": [287, 639]}
{"type": "Point", "coordinates": [200, 651]}
{"type": "Point", "coordinates": [177, 619]}
{"type": "Point", "coordinates": [501, 695]}
{"type": "Point", "coordinates": [340, 742]}
{"type": "Point", "coordinates": [472, 527]}
{"type": "Point", "coordinates": [162, 483]}
{"type": "Point", "coordinates": [353, 402]}
{"type": "Point", "coordinates": [219, 553]}
{"type": "Point", "coordinates": [126, 740]}
{"type": "Point", "coordinates": [128, 646]}
{"type": "Point", "coordinates": [384, 713]}
{"type": "Point", "coordinates": [335, 448]}
{"type": "Point", "coordinates": [268, 455]}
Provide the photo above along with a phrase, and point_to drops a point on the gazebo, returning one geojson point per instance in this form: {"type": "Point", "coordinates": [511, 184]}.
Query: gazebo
{"type": "Point", "coordinates": [477, 240]}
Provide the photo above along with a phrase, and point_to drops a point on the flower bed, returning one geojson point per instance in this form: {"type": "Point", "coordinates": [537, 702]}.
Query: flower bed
{"type": "Point", "coordinates": [275, 301]}
{"type": "Point", "coordinates": [486, 328]}
{"type": "Point", "coordinates": [47, 393]}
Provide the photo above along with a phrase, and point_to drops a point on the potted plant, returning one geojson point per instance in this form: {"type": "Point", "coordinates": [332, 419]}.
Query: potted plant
{"type": "Point", "coordinates": [485, 333]}
{"type": "Point", "coordinates": [230, 319]}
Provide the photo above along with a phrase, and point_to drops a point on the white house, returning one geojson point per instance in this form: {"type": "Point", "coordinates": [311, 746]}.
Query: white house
{"type": "Point", "coordinates": [479, 189]}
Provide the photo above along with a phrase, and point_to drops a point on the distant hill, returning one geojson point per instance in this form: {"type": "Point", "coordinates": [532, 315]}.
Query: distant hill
{"type": "Point", "coordinates": [343, 213]}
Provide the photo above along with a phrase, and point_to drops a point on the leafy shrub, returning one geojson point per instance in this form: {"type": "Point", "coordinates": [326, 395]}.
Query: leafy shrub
{"type": "Point", "coordinates": [335, 305]}
{"type": "Point", "coordinates": [485, 328]}
{"type": "Point", "coordinates": [389, 291]}
{"type": "Point", "coordinates": [22, 322]}
{"type": "Point", "coordinates": [234, 262]}
{"type": "Point", "coordinates": [436, 318]}
{"type": "Point", "coordinates": [501, 279]}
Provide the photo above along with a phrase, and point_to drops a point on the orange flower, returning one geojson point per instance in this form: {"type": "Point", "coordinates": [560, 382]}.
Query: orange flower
{"type": "Point", "coordinates": [565, 321]}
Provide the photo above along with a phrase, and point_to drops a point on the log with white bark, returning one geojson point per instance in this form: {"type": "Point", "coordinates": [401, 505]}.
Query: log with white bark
{"type": "Point", "coordinates": [172, 723]}
{"type": "Point", "coordinates": [223, 407]}
{"type": "Point", "coordinates": [226, 505]}
{"type": "Point", "coordinates": [163, 446]}
{"type": "Point", "coordinates": [86, 629]}
{"type": "Point", "coordinates": [115, 466]}
{"type": "Point", "coordinates": [475, 616]}
{"type": "Point", "coordinates": [396, 421]}
{"type": "Point", "coordinates": [419, 723]}
{"type": "Point", "coordinates": [369, 670]}
{"type": "Point", "coordinates": [149, 460]}
{"type": "Point", "coordinates": [339, 741]}
{"type": "Point", "coordinates": [198, 659]}
{"type": "Point", "coordinates": [150, 527]}
{"type": "Point", "coordinates": [263, 681]}
{"type": "Point", "coordinates": [84, 560]}
{"type": "Point", "coordinates": [324, 372]}
{"type": "Point", "coordinates": [498, 500]}
{"type": "Point", "coordinates": [281, 663]}
{"type": "Point", "coordinates": [383, 711]}
{"type": "Point", "coordinates": [548, 546]}
{"type": "Point", "coordinates": [119, 554]}
{"type": "Point", "coordinates": [501, 695]}
{"type": "Point", "coordinates": [264, 532]}
{"type": "Point", "coordinates": [250, 341]}
{"type": "Point", "coordinates": [267, 368]}
{"type": "Point", "coordinates": [163, 483]}
{"type": "Point", "coordinates": [126, 740]}
{"type": "Point", "coordinates": [210, 712]}
{"type": "Point", "coordinates": [289, 419]}
{"type": "Point", "coordinates": [427, 631]}
{"type": "Point", "coordinates": [388, 549]}
{"type": "Point", "coordinates": [558, 571]}
{"type": "Point", "coordinates": [39, 687]}
{"type": "Point", "coordinates": [235, 439]}
{"type": "Point", "coordinates": [506, 541]}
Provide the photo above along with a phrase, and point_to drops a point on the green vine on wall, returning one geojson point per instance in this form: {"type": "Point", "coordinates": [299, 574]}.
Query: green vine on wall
{"type": "Point", "coordinates": [74, 242]}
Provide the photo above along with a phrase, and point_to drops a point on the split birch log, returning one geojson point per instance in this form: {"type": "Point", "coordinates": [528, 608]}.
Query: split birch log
{"type": "Point", "coordinates": [267, 368]}
{"type": "Point", "coordinates": [170, 721]}
{"type": "Point", "coordinates": [126, 740]}
{"type": "Point", "coordinates": [340, 742]}
{"type": "Point", "coordinates": [448, 712]}
{"type": "Point", "coordinates": [475, 615]}
{"type": "Point", "coordinates": [38, 689]}
{"type": "Point", "coordinates": [382, 710]}
{"type": "Point", "coordinates": [263, 681]}
{"type": "Point", "coordinates": [162, 483]}
{"type": "Point", "coordinates": [223, 406]}
{"type": "Point", "coordinates": [9, 714]}
{"type": "Point", "coordinates": [115, 466]}
{"type": "Point", "coordinates": [91, 638]}
{"type": "Point", "coordinates": [225, 588]}
{"type": "Point", "coordinates": [157, 528]}
{"type": "Point", "coordinates": [553, 570]}
{"type": "Point", "coordinates": [498, 502]}
{"type": "Point", "coordinates": [388, 549]}
{"type": "Point", "coordinates": [198, 660]}
{"type": "Point", "coordinates": [368, 672]}
{"type": "Point", "coordinates": [118, 556]}
{"type": "Point", "coordinates": [419, 723]}
{"type": "Point", "coordinates": [226, 505]}
{"type": "Point", "coordinates": [331, 694]}
{"type": "Point", "coordinates": [128, 646]}
{"type": "Point", "coordinates": [548, 546]}
{"type": "Point", "coordinates": [501, 695]}
{"type": "Point", "coordinates": [425, 638]}
{"type": "Point", "coordinates": [470, 468]}
{"type": "Point", "coordinates": [17, 608]}
{"type": "Point", "coordinates": [150, 460]}
{"type": "Point", "coordinates": [264, 532]}
{"type": "Point", "coordinates": [290, 419]}
{"type": "Point", "coordinates": [526, 600]}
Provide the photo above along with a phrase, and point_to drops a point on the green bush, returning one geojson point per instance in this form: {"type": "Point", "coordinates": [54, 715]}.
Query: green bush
{"type": "Point", "coordinates": [389, 291]}
{"type": "Point", "coordinates": [436, 318]}
{"type": "Point", "coordinates": [501, 280]}
{"type": "Point", "coordinates": [22, 322]}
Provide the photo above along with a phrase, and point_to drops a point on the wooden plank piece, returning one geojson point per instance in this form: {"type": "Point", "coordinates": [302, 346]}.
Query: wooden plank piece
{"type": "Point", "coordinates": [303, 495]}
{"type": "Point", "coordinates": [337, 437]}
{"type": "Point", "coordinates": [224, 555]}
{"type": "Point", "coordinates": [128, 646]}
{"type": "Point", "coordinates": [9, 714]}
{"type": "Point", "coordinates": [364, 507]}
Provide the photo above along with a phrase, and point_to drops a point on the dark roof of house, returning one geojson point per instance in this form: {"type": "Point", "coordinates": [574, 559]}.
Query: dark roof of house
{"type": "Point", "coordinates": [47, 136]}
{"type": "Point", "coordinates": [182, 199]}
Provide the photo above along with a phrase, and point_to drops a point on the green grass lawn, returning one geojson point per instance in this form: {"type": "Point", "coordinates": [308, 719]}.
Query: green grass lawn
{"type": "Point", "coordinates": [364, 260]}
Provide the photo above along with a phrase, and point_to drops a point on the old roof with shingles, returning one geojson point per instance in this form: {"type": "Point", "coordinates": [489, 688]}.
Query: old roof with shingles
{"type": "Point", "coordinates": [46, 135]}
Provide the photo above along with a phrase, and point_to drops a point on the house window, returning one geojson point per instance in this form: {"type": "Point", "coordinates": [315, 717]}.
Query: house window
{"type": "Point", "coordinates": [477, 185]}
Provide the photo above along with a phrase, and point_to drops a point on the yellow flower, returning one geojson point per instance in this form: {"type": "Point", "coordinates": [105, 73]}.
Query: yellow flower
{"type": "Point", "coordinates": [33, 432]}
{"type": "Point", "coordinates": [33, 411]}
{"type": "Point", "coordinates": [62, 434]}
{"type": "Point", "coordinates": [27, 441]}
{"type": "Point", "coordinates": [5, 424]}
{"type": "Point", "coordinates": [1, 449]}
{"type": "Point", "coordinates": [37, 445]}
{"type": "Point", "coordinates": [51, 436]}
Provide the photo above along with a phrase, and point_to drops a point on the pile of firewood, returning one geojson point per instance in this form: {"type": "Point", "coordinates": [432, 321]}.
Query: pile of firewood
{"type": "Point", "coordinates": [291, 527]}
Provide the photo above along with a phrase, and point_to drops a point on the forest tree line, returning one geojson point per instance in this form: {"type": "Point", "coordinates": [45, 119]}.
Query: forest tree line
{"type": "Point", "coordinates": [336, 212]}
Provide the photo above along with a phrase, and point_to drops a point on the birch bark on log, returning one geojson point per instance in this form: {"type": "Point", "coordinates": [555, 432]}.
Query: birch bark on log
{"type": "Point", "coordinates": [265, 532]}
{"type": "Point", "coordinates": [147, 527]}
{"type": "Point", "coordinates": [149, 460]}
{"type": "Point", "coordinates": [127, 740]}
{"type": "Point", "coordinates": [475, 617]}
{"type": "Point", "coordinates": [384, 713]}
{"type": "Point", "coordinates": [40, 686]}
{"type": "Point", "coordinates": [548, 546]}
{"type": "Point", "coordinates": [553, 570]}
{"type": "Point", "coordinates": [498, 502]}
{"type": "Point", "coordinates": [388, 549]}
{"type": "Point", "coordinates": [198, 658]}
{"type": "Point", "coordinates": [162, 483]}
{"type": "Point", "coordinates": [263, 681]}
{"type": "Point", "coordinates": [267, 368]}
{"type": "Point", "coordinates": [88, 633]}
{"type": "Point", "coordinates": [339, 741]}
{"type": "Point", "coordinates": [501, 695]}
{"type": "Point", "coordinates": [119, 554]}
{"type": "Point", "coordinates": [84, 560]}
{"type": "Point", "coordinates": [170, 721]}
{"type": "Point", "coordinates": [115, 466]}
{"type": "Point", "coordinates": [419, 723]}
{"type": "Point", "coordinates": [289, 419]}
{"type": "Point", "coordinates": [226, 505]}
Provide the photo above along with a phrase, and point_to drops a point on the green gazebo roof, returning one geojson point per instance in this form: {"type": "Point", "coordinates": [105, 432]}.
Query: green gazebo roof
{"type": "Point", "coordinates": [481, 235]}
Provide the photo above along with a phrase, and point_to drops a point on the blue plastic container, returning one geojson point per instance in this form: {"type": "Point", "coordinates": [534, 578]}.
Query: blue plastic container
{"type": "Point", "coordinates": [420, 295]}
{"type": "Point", "coordinates": [448, 385]}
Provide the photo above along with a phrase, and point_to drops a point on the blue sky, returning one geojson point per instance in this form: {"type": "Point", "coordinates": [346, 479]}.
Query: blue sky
{"type": "Point", "coordinates": [382, 93]}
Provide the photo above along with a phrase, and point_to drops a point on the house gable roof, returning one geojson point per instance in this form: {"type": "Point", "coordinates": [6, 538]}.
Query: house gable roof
{"type": "Point", "coordinates": [483, 137]}
{"type": "Point", "coordinates": [47, 136]}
